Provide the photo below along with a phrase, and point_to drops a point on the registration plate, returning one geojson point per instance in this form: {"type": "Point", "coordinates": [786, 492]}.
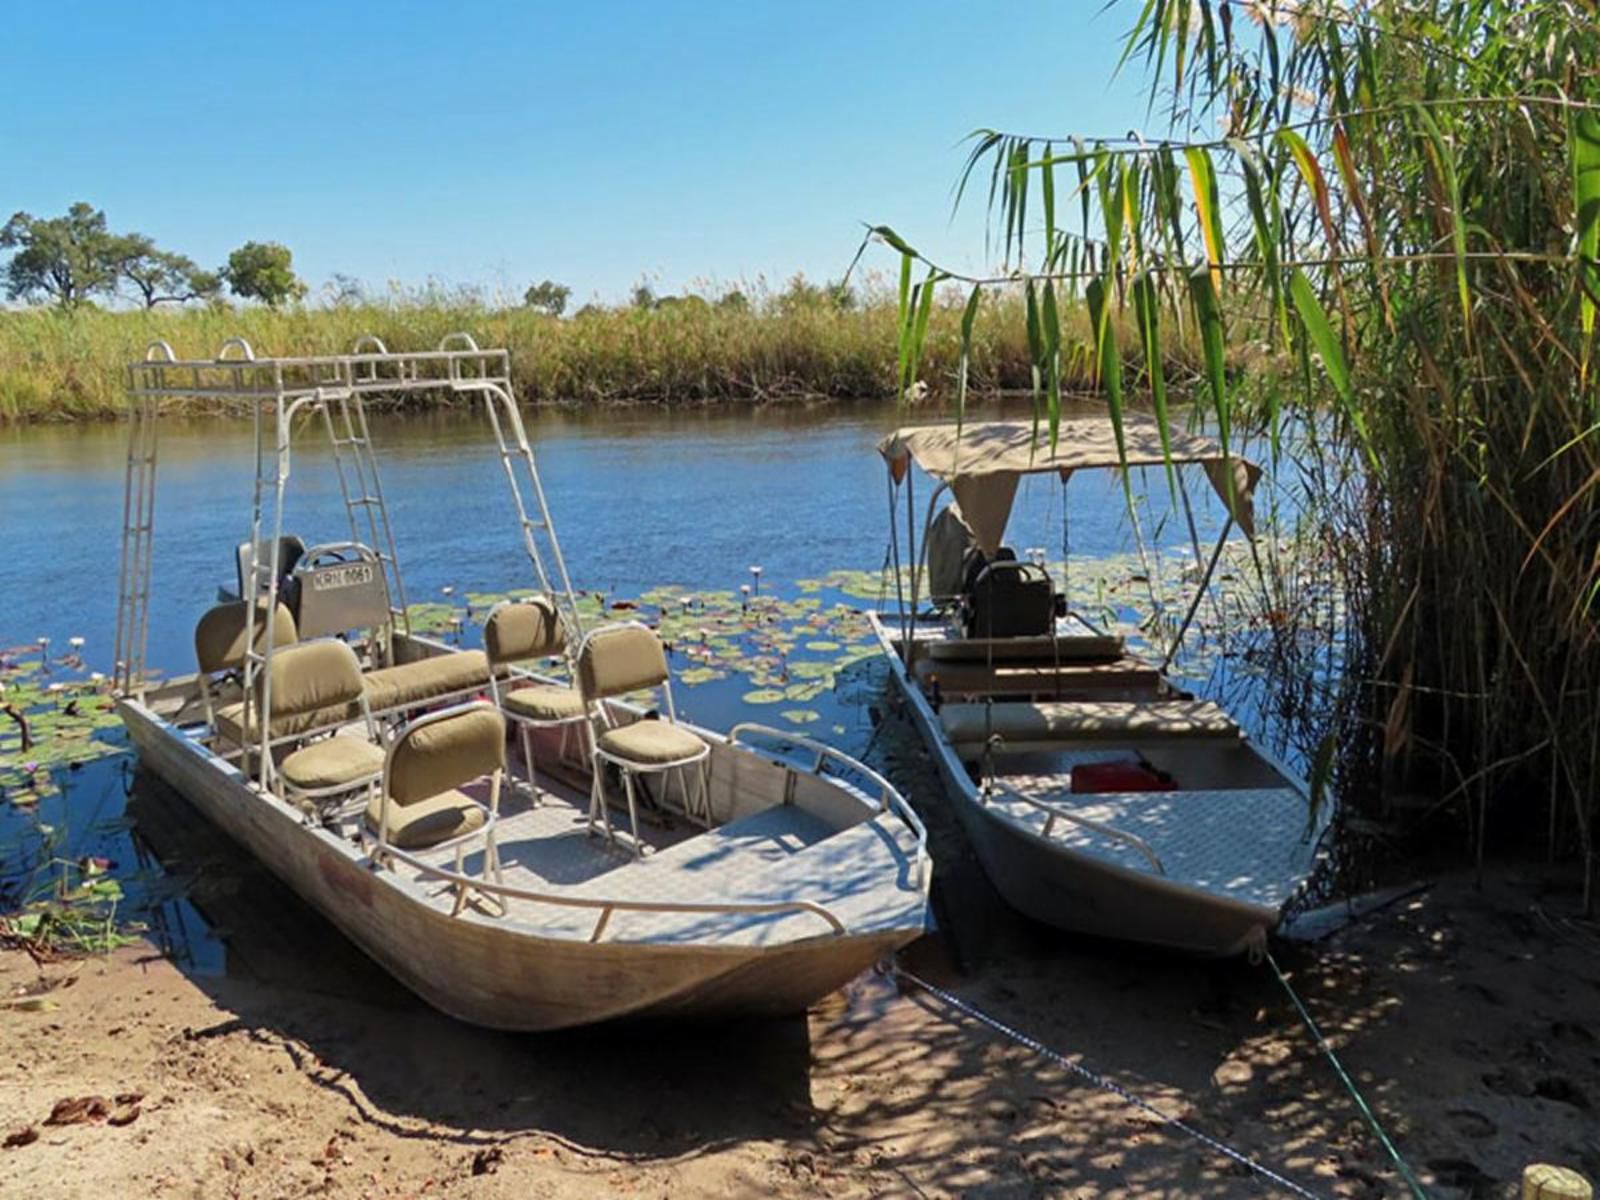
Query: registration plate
{"type": "Point", "coordinates": [332, 578]}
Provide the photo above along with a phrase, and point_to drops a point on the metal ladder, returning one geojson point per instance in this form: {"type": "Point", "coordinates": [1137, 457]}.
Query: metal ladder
{"type": "Point", "coordinates": [538, 532]}
{"type": "Point", "coordinates": [138, 521]}
{"type": "Point", "coordinates": [357, 469]}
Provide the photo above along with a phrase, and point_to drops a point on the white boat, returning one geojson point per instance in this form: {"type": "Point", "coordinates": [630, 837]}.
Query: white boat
{"type": "Point", "coordinates": [648, 867]}
{"type": "Point", "coordinates": [1100, 797]}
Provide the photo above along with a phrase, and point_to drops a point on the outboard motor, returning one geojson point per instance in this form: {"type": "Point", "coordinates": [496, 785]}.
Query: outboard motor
{"type": "Point", "coordinates": [290, 551]}
{"type": "Point", "coordinates": [1003, 598]}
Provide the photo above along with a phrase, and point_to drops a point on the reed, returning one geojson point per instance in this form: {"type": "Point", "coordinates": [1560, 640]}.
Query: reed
{"type": "Point", "coordinates": [58, 365]}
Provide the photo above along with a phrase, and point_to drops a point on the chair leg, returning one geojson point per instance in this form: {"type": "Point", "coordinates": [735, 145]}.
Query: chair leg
{"type": "Point", "coordinates": [703, 774]}
{"type": "Point", "coordinates": [633, 814]}
{"type": "Point", "coordinates": [527, 758]}
{"type": "Point", "coordinates": [597, 800]}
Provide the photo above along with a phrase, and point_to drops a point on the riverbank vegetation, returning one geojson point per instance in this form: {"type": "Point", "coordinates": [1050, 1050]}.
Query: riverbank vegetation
{"type": "Point", "coordinates": [745, 345]}
{"type": "Point", "coordinates": [1403, 200]}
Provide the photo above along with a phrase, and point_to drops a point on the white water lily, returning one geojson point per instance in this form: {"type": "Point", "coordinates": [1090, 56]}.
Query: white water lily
{"type": "Point", "coordinates": [75, 642]}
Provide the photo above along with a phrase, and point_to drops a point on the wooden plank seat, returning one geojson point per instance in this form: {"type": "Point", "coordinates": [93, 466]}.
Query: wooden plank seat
{"type": "Point", "coordinates": [1063, 648]}
{"type": "Point", "coordinates": [1032, 678]}
{"type": "Point", "coordinates": [1047, 724]}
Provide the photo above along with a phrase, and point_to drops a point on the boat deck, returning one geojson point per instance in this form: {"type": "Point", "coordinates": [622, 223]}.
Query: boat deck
{"type": "Point", "coordinates": [864, 874]}
{"type": "Point", "coordinates": [1246, 844]}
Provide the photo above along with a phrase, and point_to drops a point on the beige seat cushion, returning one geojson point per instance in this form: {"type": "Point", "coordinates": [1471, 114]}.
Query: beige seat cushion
{"type": "Point", "coordinates": [426, 679]}
{"type": "Point", "coordinates": [1087, 721]}
{"type": "Point", "coordinates": [516, 632]}
{"type": "Point", "coordinates": [427, 822]}
{"type": "Point", "coordinates": [332, 762]}
{"type": "Point", "coordinates": [618, 659]}
{"type": "Point", "coordinates": [544, 702]}
{"type": "Point", "coordinates": [219, 637]}
{"type": "Point", "coordinates": [652, 742]}
{"type": "Point", "coordinates": [229, 716]}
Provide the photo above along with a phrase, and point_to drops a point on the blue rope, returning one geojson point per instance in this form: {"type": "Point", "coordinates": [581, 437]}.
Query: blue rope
{"type": "Point", "coordinates": [1108, 1085]}
{"type": "Point", "coordinates": [1355, 1094]}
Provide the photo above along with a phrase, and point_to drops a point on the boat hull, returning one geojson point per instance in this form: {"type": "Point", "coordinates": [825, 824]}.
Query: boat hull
{"type": "Point", "coordinates": [1055, 885]}
{"type": "Point", "coordinates": [470, 966]}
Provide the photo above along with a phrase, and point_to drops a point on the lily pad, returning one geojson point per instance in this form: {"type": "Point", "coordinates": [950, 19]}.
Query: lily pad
{"type": "Point", "coordinates": [800, 716]}
{"type": "Point", "coordinates": [764, 696]}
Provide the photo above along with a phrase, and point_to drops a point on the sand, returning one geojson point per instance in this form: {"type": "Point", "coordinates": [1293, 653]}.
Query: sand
{"type": "Point", "coordinates": [1470, 1018]}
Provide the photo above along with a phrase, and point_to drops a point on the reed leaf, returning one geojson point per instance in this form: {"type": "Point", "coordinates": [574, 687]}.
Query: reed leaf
{"type": "Point", "coordinates": [1147, 307]}
{"type": "Point", "coordinates": [1586, 204]}
{"type": "Point", "coordinates": [1203, 177]}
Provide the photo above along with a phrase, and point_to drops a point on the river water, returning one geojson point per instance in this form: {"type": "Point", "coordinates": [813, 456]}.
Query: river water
{"type": "Point", "coordinates": [641, 498]}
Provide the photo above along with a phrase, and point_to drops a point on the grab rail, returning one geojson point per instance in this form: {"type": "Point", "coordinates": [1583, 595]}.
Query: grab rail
{"type": "Point", "coordinates": [889, 799]}
{"type": "Point", "coordinates": [1066, 814]}
{"type": "Point", "coordinates": [608, 906]}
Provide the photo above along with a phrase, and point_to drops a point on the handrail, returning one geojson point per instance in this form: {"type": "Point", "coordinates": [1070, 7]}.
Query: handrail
{"type": "Point", "coordinates": [889, 798]}
{"type": "Point", "coordinates": [162, 345]}
{"type": "Point", "coordinates": [1066, 814]}
{"type": "Point", "coordinates": [238, 343]}
{"type": "Point", "coordinates": [609, 906]}
{"type": "Point", "coordinates": [462, 335]}
{"type": "Point", "coordinates": [361, 342]}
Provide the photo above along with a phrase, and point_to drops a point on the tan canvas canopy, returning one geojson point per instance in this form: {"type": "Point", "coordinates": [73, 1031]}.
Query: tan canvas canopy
{"type": "Point", "coordinates": [982, 465]}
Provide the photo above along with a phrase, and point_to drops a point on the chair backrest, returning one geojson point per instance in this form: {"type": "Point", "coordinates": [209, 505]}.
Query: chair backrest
{"type": "Point", "coordinates": [445, 750]}
{"type": "Point", "coordinates": [312, 676]}
{"type": "Point", "coordinates": [517, 631]}
{"type": "Point", "coordinates": [219, 636]}
{"type": "Point", "coordinates": [618, 659]}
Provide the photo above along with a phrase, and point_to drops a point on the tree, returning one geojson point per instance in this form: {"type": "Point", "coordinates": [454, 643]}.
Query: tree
{"type": "Point", "coordinates": [644, 296]}
{"type": "Point", "coordinates": [161, 276]}
{"type": "Point", "coordinates": [734, 300]}
{"type": "Point", "coordinates": [263, 271]}
{"type": "Point", "coordinates": [67, 258]}
{"type": "Point", "coordinates": [344, 291]}
{"type": "Point", "coordinates": [548, 297]}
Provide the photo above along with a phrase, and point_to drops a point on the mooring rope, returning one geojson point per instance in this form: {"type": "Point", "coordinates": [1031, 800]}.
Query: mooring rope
{"type": "Point", "coordinates": [1108, 1085]}
{"type": "Point", "coordinates": [1344, 1076]}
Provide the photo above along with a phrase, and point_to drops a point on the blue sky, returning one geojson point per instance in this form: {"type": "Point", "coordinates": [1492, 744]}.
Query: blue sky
{"type": "Point", "coordinates": [593, 143]}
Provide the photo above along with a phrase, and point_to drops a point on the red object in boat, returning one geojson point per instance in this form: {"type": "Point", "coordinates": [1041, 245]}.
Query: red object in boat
{"type": "Point", "coordinates": [1129, 776]}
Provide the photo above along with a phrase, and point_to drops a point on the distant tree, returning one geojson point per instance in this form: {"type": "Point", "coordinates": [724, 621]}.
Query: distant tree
{"type": "Point", "coordinates": [161, 276]}
{"type": "Point", "coordinates": [644, 296]}
{"type": "Point", "coordinates": [801, 293]}
{"type": "Point", "coordinates": [548, 297]}
{"type": "Point", "coordinates": [263, 271]}
{"type": "Point", "coordinates": [589, 310]}
{"type": "Point", "coordinates": [345, 291]}
{"type": "Point", "coordinates": [67, 258]}
{"type": "Point", "coordinates": [734, 301]}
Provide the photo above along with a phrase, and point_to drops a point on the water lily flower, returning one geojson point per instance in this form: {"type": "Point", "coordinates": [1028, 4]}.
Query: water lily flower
{"type": "Point", "coordinates": [75, 642]}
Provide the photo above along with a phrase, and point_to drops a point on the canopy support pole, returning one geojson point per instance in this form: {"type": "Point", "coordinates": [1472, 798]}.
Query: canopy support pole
{"type": "Point", "coordinates": [1199, 595]}
{"type": "Point", "coordinates": [911, 555]}
{"type": "Point", "coordinates": [899, 582]}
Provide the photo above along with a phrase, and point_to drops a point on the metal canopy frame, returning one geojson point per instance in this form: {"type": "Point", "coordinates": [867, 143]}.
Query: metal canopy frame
{"type": "Point", "coordinates": [336, 387]}
{"type": "Point", "coordinates": [916, 566]}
